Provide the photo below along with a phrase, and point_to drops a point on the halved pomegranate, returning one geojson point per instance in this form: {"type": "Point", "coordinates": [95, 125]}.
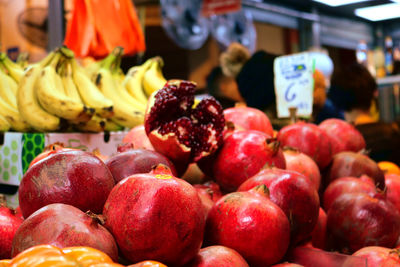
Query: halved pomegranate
{"type": "Point", "coordinates": [176, 129]}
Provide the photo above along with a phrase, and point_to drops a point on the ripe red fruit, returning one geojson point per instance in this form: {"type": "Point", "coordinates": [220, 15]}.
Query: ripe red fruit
{"type": "Point", "coordinates": [178, 131]}
{"type": "Point", "coordinates": [251, 224]}
{"type": "Point", "coordinates": [287, 264]}
{"type": "Point", "coordinates": [209, 193]}
{"type": "Point", "coordinates": [318, 235]}
{"type": "Point", "coordinates": [156, 216]}
{"type": "Point", "coordinates": [392, 182]}
{"type": "Point", "coordinates": [248, 118]}
{"type": "Point", "coordinates": [71, 177]}
{"type": "Point", "coordinates": [379, 256]}
{"type": "Point", "coordinates": [62, 226]}
{"type": "Point", "coordinates": [300, 162]}
{"type": "Point", "coordinates": [9, 223]}
{"type": "Point", "coordinates": [294, 194]}
{"type": "Point", "coordinates": [49, 150]}
{"type": "Point", "coordinates": [244, 154]}
{"type": "Point", "coordinates": [308, 139]}
{"type": "Point", "coordinates": [343, 135]}
{"type": "Point", "coordinates": [134, 161]}
{"type": "Point", "coordinates": [351, 164]}
{"type": "Point", "coordinates": [218, 256]}
{"type": "Point", "coordinates": [356, 220]}
{"type": "Point", "coordinates": [138, 138]}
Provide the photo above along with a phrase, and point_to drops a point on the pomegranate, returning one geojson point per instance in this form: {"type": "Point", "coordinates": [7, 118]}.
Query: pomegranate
{"type": "Point", "coordinates": [248, 118]}
{"type": "Point", "coordinates": [287, 264]}
{"type": "Point", "coordinates": [48, 150]}
{"type": "Point", "coordinates": [66, 177]}
{"type": "Point", "coordinates": [194, 175]}
{"type": "Point", "coordinates": [9, 223]}
{"type": "Point", "coordinates": [134, 161]}
{"type": "Point", "coordinates": [180, 132]}
{"type": "Point", "coordinates": [249, 223]}
{"type": "Point", "coordinates": [62, 226]}
{"type": "Point", "coordinates": [294, 194]}
{"type": "Point", "coordinates": [218, 256]}
{"type": "Point", "coordinates": [138, 138]}
{"type": "Point", "coordinates": [347, 185]}
{"type": "Point", "coordinates": [345, 164]}
{"type": "Point", "coordinates": [318, 235]}
{"type": "Point", "coordinates": [392, 182]}
{"type": "Point", "coordinates": [308, 139]}
{"type": "Point", "coordinates": [343, 135]}
{"type": "Point", "coordinates": [356, 220]}
{"type": "Point", "coordinates": [379, 256]}
{"type": "Point", "coordinates": [209, 193]}
{"type": "Point", "coordinates": [244, 154]}
{"type": "Point", "coordinates": [156, 216]}
{"type": "Point", "coordinates": [300, 162]}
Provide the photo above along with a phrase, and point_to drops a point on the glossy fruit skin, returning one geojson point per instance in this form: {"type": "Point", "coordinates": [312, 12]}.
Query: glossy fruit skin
{"type": "Point", "coordinates": [379, 256]}
{"type": "Point", "coordinates": [65, 177]}
{"type": "Point", "coordinates": [351, 164]}
{"type": "Point", "coordinates": [63, 225]}
{"type": "Point", "coordinates": [218, 256]}
{"type": "Point", "coordinates": [294, 194]}
{"type": "Point", "coordinates": [148, 264]}
{"type": "Point", "coordinates": [86, 256]}
{"type": "Point", "coordinates": [308, 139]}
{"type": "Point", "coordinates": [49, 150]}
{"type": "Point", "coordinates": [244, 154]}
{"type": "Point", "coordinates": [343, 135]}
{"type": "Point", "coordinates": [9, 223]}
{"type": "Point", "coordinates": [249, 223]}
{"type": "Point", "coordinates": [318, 235]}
{"type": "Point", "coordinates": [287, 264]}
{"type": "Point", "coordinates": [392, 182]}
{"type": "Point", "coordinates": [346, 185]}
{"type": "Point", "coordinates": [209, 193]}
{"type": "Point", "coordinates": [137, 136]}
{"type": "Point", "coordinates": [389, 167]}
{"type": "Point", "coordinates": [357, 220]}
{"type": "Point", "coordinates": [135, 161]}
{"type": "Point", "coordinates": [173, 230]}
{"type": "Point", "coordinates": [300, 162]}
{"type": "Point", "coordinates": [248, 118]}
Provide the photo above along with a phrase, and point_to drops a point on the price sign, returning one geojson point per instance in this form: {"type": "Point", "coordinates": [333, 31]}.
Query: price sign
{"type": "Point", "coordinates": [219, 7]}
{"type": "Point", "coordinates": [294, 84]}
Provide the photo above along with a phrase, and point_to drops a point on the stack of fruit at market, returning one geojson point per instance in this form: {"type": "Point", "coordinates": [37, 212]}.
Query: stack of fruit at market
{"type": "Point", "coordinates": [58, 94]}
{"type": "Point", "coordinates": [303, 196]}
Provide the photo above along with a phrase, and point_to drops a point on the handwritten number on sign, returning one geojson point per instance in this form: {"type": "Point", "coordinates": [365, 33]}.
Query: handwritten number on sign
{"type": "Point", "coordinates": [289, 97]}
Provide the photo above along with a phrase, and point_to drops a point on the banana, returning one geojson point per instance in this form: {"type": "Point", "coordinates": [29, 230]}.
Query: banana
{"type": "Point", "coordinates": [28, 104]}
{"type": "Point", "coordinates": [123, 93]}
{"type": "Point", "coordinates": [14, 70]}
{"type": "Point", "coordinates": [6, 92]}
{"type": "Point", "coordinates": [95, 124]}
{"type": "Point", "coordinates": [90, 94]}
{"type": "Point", "coordinates": [112, 126]}
{"type": "Point", "coordinates": [13, 85]}
{"type": "Point", "coordinates": [124, 114]}
{"type": "Point", "coordinates": [22, 59]}
{"type": "Point", "coordinates": [4, 125]}
{"type": "Point", "coordinates": [51, 95]}
{"type": "Point", "coordinates": [153, 79]}
{"type": "Point", "coordinates": [134, 79]}
{"type": "Point", "coordinates": [13, 117]}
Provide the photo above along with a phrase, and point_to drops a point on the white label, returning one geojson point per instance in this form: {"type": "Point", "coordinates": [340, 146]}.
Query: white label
{"type": "Point", "coordinates": [294, 84]}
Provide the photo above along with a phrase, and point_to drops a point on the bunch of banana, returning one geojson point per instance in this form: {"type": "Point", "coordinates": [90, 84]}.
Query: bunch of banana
{"type": "Point", "coordinates": [153, 79]}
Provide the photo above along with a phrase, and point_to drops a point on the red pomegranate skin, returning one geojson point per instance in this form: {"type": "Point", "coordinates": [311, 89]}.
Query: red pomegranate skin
{"type": "Point", "coordinates": [248, 118]}
{"type": "Point", "coordinates": [138, 138]}
{"type": "Point", "coordinates": [392, 182]}
{"type": "Point", "coordinates": [343, 135]}
{"type": "Point", "coordinates": [294, 194]}
{"type": "Point", "coordinates": [308, 139]}
{"type": "Point", "coordinates": [218, 256]}
{"type": "Point", "coordinates": [379, 256]}
{"type": "Point", "coordinates": [156, 216]}
{"type": "Point", "coordinates": [346, 185]}
{"type": "Point", "coordinates": [9, 223]}
{"type": "Point", "coordinates": [318, 235]}
{"type": "Point", "coordinates": [209, 193]}
{"type": "Point", "coordinates": [357, 220]}
{"type": "Point", "coordinates": [300, 162]}
{"type": "Point", "coordinates": [62, 226]}
{"type": "Point", "coordinates": [71, 177]}
{"type": "Point", "coordinates": [244, 154]}
{"type": "Point", "coordinates": [134, 161]}
{"type": "Point", "coordinates": [251, 224]}
{"type": "Point", "coordinates": [287, 264]}
{"type": "Point", "coordinates": [351, 164]}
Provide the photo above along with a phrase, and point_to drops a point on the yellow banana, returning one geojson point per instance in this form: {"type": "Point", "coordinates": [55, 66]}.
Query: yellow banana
{"type": "Point", "coordinates": [6, 92]}
{"type": "Point", "coordinates": [123, 93]}
{"type": "Point", "coordinates": [133, 81]}
{"type": "Point", "coordinates": [124, 114]}
{"type": "Point", "coordinates": [95, 124]}
{"type": "Point", "coordinates": [22, 59]}
{"type": "Point", "coordinates": [112, 126]}
{"type": "Point", "coordinates": [13, 117]}
{"type": "Point", "coordinates": [153, 79]}
{"type": "Point", "coordinates": [4, 125]}
{"type": "Point", "coordinates": [13, 84]}
{"type": "Point", "coordinates": [14, 70]}
{"type": "Point", "coordinates": [90, 94]}
{"type": "Point", "coordinates": [28, 104]}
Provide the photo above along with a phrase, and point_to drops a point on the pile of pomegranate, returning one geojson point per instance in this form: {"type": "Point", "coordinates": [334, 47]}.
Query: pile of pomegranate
{"type": "Point", "coordinates": [200, 186]}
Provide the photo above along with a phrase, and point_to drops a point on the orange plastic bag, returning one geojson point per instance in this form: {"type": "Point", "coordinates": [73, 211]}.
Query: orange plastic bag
{"type": "Point", "coordinates": [97, 26]}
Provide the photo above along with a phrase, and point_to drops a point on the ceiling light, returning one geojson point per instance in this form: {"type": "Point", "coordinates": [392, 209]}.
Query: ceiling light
{"type": "Point", "coordinates": [339, 2]}
{"type": "Point", "coordinates": [380, 12]}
